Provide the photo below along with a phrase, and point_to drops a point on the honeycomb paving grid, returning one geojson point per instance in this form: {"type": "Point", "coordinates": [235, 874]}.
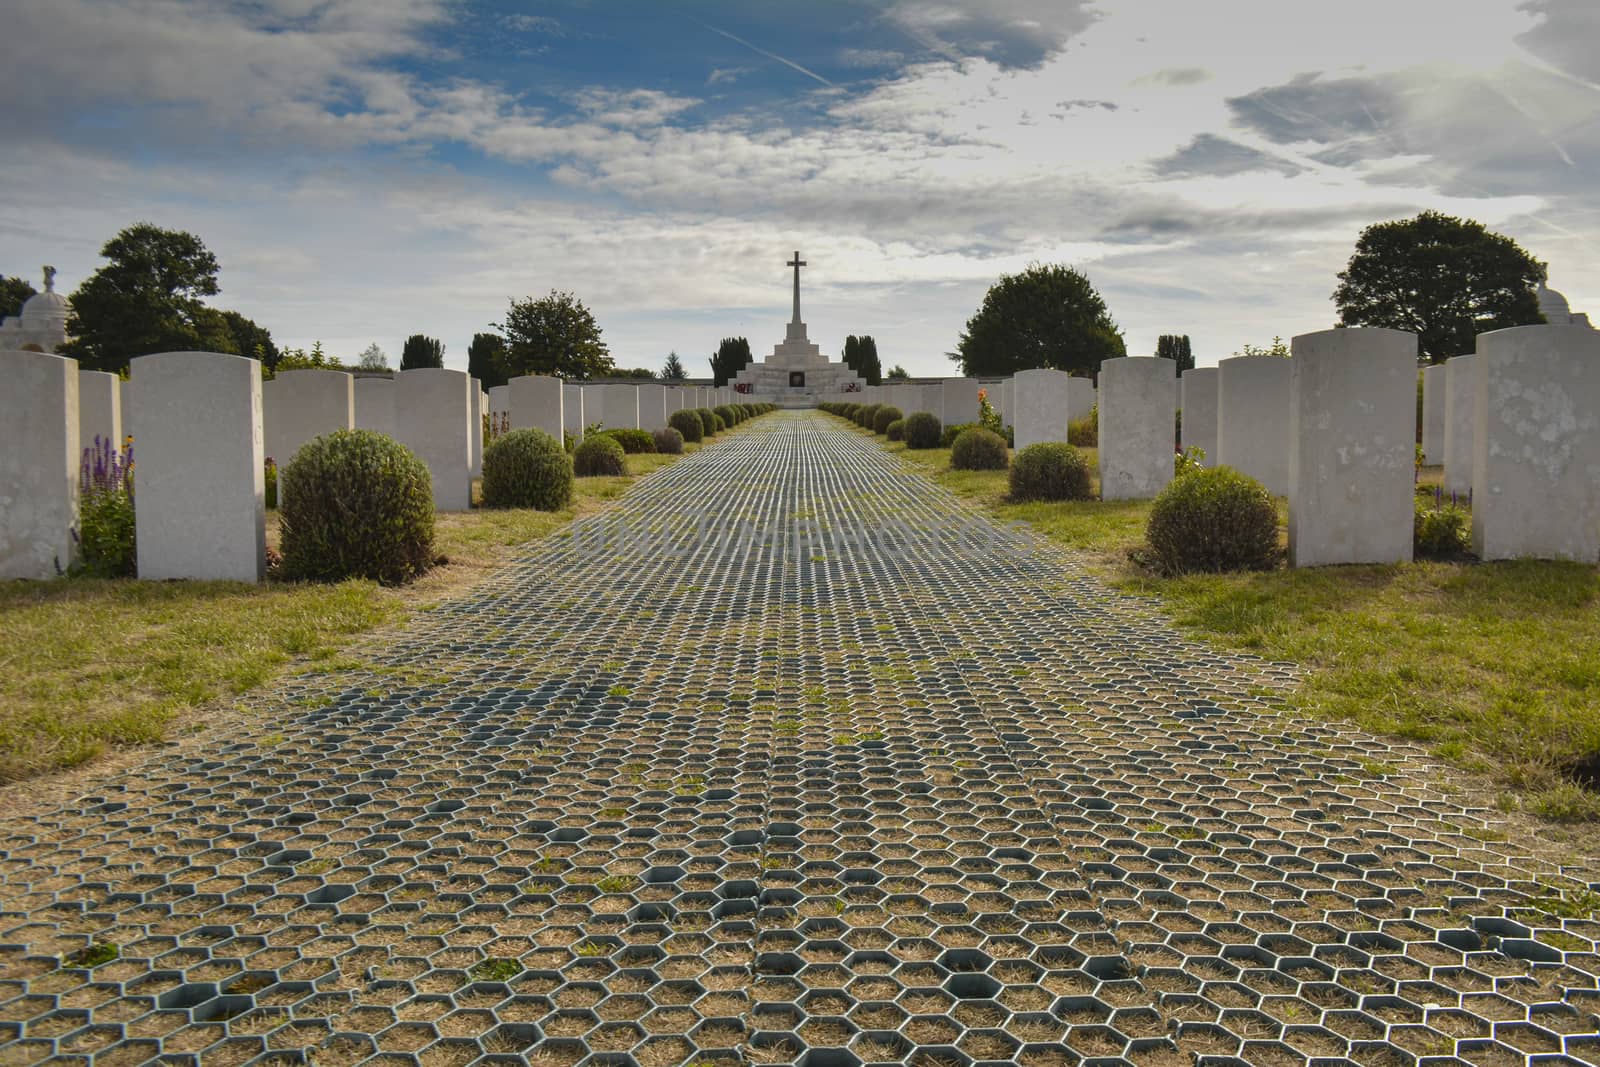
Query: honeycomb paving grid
{"type": "Point", "coordinates": [789, 757]}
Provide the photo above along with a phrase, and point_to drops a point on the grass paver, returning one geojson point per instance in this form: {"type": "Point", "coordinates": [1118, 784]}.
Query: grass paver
{"type": "Point", "coordinates": [789, 756]}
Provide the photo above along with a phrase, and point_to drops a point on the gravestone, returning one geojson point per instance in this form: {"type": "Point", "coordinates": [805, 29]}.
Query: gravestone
{"type": "Point", "coordinates": [1081, 401]}
{"type": "Point", "coordinates": [99, 408]}
{"type": "Point", "coordinates": [1352, 440]}
{"type": "Point", "coordinates": [475, 396]}
{"type": "Point", "coordinates": [1136, 422]}
{"type": "Point", "coordinates": [432, 415]}
{"type": "Point", "coordinates": [1433, 397]}
{"type": "Point", "coordinates": [616, 407]}
{"type": "Point", "coordinates": [375, 405]}
{"type": "Point", "coordinates": [1460, 406]}
{"type": "Point", "coordinates": [39, 461]}
{"type": "Point", "coordinates": [1005, 403]}
{"type": "Point", "coordinates": [538, 402]}
{"type": "Point", "coordinates": [1253, 419]}
{"type": "Point", "coordinates": [1536, 472]}
{"type": "Point", "coordinates": [299, 405]}
{"type": "Point", "coordinates": [652, 407]}
{"type": "Point", "coordinates": [499, 402]}
{"type": "Point", "coordinates": [1199, 404]}
{"type": "Point", "coordinates": [200, 499]}
{"type": "Point", "coordinates": [958, 401]}
{"type": "Point", "coordinates": [1041, 398]}
{"type": "Point", "coordinates": [572, 411]}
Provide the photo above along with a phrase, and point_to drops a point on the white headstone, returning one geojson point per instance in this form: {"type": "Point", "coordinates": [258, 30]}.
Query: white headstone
{"type": "Point", "coordinates": [1006, 403]}
{"type": "Point", "coordinates": [99, 408]}
{"type": "Point", "coordinates": [958, 401]}
{"type": "Point", "coordinates": [1536, 476]}
{"type": "Point", "coordinates": [1253, 419]}
{"type": "Point", "coordinates": [475, 437]}
{"type": "Point", "coordinates": [1352, 440]}
{"type": "Point", "coordinates": [375, 405]}
{"type": "Point", "coordinates": [1040, 413]}
{"type": "Point", "coordinates": [200, 498]}
{"type": "Point", "coordinates": [1199, 404]}
{"type": "Point", "coordinates": [538, 402]}
{"type": "Point", "coordinates": [572, 411]}
{"type": "Point", "coordinates": [1433, 397]}
{"type": "Point", "coordinates": [1460, 400]}
{"type": "Point", "coordinates": [1081, 401]}
{"type": "Point", "coordinates": [1137, 418]}
{"type": "Point", "coordinates": [500, 400]}
{"type": "Point", "coordinates": [615, 407]}
{"type": "Point", "coordinates": [432, 415]}
{"type": "Point", "coordinates": [652, 407]}
{"type": "Point", "coordinates": [39, 461]}
{"type": "Point", "coordinates": [299, 405]}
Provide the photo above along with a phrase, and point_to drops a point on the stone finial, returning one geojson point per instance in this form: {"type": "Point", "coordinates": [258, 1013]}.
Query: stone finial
{"type": "Point", "coordinates": [49, 279]}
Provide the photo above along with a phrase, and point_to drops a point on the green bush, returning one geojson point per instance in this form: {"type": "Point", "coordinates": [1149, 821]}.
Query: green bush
{"type": "Point", "coordinates": [1443, 532]}
{"type": "Point", "coordinates": [708, 422]}
{"type": "Point", "coordinates": [599, 455]}
{"type": "Point", "coordinates": [896, 430]}
{"type": "Point", "coordinates": [1213, 519]}
{"type": "Point", "coordinates": [886, 414]}
{"type": "Point", "coordinates": [526, 469]}
{"type": "Point", "coordinates": [632, 441]}
{"type": "Point", "coordinates": [688, 424]}
{"type": "Point", "coordinates": [1085, 432]}
{"type": "Point", "coordinates": [718, 422]}
{"type": "Point", "coordinates": [947, 436]}
{"type": "Point", "coordinates": [270, 480]}
{"type": "Point", "coordinates": [361, 507]}
{"type": "Point", "coordinates": [978, 449]}
{"type": "Point", "coordinates": [668, 441]}
{"type": "Point", "coordinates": [1050, 470]}
{"type": "Point", "coordinates": [922, 430]}
{"type": "Point", "coordinates": [726, 413]}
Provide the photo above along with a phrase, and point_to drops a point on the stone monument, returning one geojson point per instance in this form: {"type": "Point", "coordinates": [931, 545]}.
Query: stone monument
{"type": "Point", "coordinates": [796, 371]}
{"type": "Point", "coordinates": [42, 326]}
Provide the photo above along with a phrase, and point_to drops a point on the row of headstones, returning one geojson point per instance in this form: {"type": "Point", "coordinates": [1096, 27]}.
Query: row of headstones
{"type": "Point", "coordinates": [1334, 429]}
{"type": "Point", "coordinates": [205, 423]}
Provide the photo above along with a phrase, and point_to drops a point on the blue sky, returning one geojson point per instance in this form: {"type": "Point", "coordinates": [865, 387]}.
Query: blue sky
{"type": "Point", "coordinates": [366, 171]}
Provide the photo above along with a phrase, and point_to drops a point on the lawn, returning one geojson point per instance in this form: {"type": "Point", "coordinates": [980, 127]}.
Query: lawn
{"type": "Point", "coordinates": [1494, 667]}
{"type": "Point", "coordinates": [89, 665]}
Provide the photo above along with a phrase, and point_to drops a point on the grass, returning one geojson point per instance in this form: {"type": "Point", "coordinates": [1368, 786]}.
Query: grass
{"type": "Point", "coordinates": [1495, 668]}
{"type": "Point", "coordinates": [93, 665]}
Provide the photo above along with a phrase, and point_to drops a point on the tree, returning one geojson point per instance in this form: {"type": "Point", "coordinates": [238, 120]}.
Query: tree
{"type": "Point", "coordinates": [672, 370]}
{"type": "Point", "coordinates": [1279, 348]}
{"type": "Point", "coordinates": [373, 358]}
{"type": "Point", "coordinates": [850, 354]}
{"type": "Point", "coordinates": [868, 365]}
{"type": "Point", "coordinates": [733, 355]}
{"type": "Point", "coordinates": [146, 299]}
{"type": "Point", "coordinates": [1442, 278]}
{"type": "Point", "coordinates": [555, 335]}
{"type": "Point", "coordinates": [486, 358]}
{"type": "Point", "coordinates": [14, 292]}
{"type": "Point", "coordinates": [1175, 346]}
{"type": "Point", "coordinates": [1047, 316]}
{"type": "Point", "coordinates": [897, 372]}
{"type": "Point", "coordinates": [630, 372]}
{"type": "Point", "coordinates": [247, 338]}
{"type": "Point", "coordinates": [421, 351]}
{"type": "Point", "coordinates": [299, 359]}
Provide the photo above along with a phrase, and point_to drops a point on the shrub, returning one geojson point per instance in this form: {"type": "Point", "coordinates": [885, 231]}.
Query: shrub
{"type": "Point", "coordinates": [598, 455]}
{"type": "Point", "coordinates": [1442, 532]}
{"type": "Point", "coordinates": [632, 441]}
{"type": "Point", "coordinates": [1085, 432]}
{"type": "Point", "coordinates": [668, 441]}
{"type": "Point", "coordinates": [1050, 470]}
{"type": "Point", "coordinates": [718, 422]}
{"type": "Point", "coordinates": [269, 478]}
{"type": "Point", "coordinates": [922, 430]}
{"type": "Point", "coordinates": [1213, 519]}
{"type": "Point", "coordinates": [688, 424]}
{"type": "Point", "coordinates": [948, 435]}
{"type": "Point", "coordinates": [887, 413]}
{"type": "Point", "coordinates": [726, 413]}
{"type": "Point", "coordinates": [1189, 460]}
{"type": "Point", "coordinates": [708, 421]}
{"type": "Point", "coordinates": [526, 469]}
{"type": "Point", "coordinates": [978, 449]}
{"type": "Point", "coordinates": [362, 507]}
{"type": "Point", "coordinates": [896, 430]}
{"type": "Point", "coordinates": [107, 547]}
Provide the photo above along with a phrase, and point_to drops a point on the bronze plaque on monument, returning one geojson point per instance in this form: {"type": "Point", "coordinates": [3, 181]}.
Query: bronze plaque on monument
{"type": "Point", "coordinates": [797, 379]}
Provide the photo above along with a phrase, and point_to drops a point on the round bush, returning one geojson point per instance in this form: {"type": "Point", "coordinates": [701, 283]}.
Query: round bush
{"type": "Point", "coordinates": [718, 422]}
{"type": "Point", "coordinates": [708, 421]}
{"type": "Point", "coordinates": [896, 430]}
{"type": "Point", "coordinates": [526, 469]}
{"type": "Point", "coordinates": [668, 440]}
{"type": "Point", "coordinates": [869, 415]}
{"type": "Point", "coordinates": [1213, 519]}
{"type": "Point", "coordinates": [632, 441]}
{"type": "Point", "coordinates": [726, 413]}
{"type": "Point", "coordinates": [1051, 470]}
{"type": "Point", "coordinates": [886, 414]}
{"type": "Point", "coordinates": [688, 424]}
{"type": "Point", "coordinates": [598, 455]}
{"type": "Point", "coordinates": [978, 449]}
{"type": "Point", "coordinates": [359, 505]}
{"type": "Point", "coordinates": [922, 430]}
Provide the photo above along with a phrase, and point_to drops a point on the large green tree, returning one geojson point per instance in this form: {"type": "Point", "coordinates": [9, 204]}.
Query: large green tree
{"type": "Point", "coordinates": [1442, 278]}
{"type": "Point", "coordinates": [248, 338]}
{"type": "Point", "coordinates": [147, 298]}
{"type": "Point", "coordinates": [14, 292]}
{"type": "Point", "coordinates": [421, 351]}
{"type": "Point", "coordinates": [672, 370]}
{"type": "Point", "coordinates": [486, 359]}
{"type": "Point", "coordinates": [555, 335]}
{"type": "Point", "coordinates": [897, 372]}
{"type": "Point", "coordinates": [1175, 346]}
{"type": "Point", "coordinates": [870, 366]}
{"type": "Point", "coordinates": [731, 357]}
{"type": "Point", "coordinates": [1046, 316]}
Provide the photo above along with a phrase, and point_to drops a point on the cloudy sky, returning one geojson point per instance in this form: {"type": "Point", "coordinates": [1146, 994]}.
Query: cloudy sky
{"type": "Point", "coordinates": [367, 170]}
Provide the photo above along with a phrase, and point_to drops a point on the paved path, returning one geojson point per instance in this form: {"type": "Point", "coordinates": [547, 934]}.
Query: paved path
{"type": "Point", "coordinates": [931, 796]}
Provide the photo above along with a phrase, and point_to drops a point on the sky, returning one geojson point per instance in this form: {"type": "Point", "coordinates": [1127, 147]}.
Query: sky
{"type": "Point", "coordinates": [364, 171]}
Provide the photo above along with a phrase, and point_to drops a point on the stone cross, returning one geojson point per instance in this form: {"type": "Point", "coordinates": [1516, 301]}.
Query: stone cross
{"type": "Point", "coordinates": [796, 263]}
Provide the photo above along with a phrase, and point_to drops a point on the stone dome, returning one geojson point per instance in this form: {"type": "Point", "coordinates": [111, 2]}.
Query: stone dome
{"type": "Point", "coordinates": [44, 308]}
{"type": "Point", "coordinates": [1553, 306]}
